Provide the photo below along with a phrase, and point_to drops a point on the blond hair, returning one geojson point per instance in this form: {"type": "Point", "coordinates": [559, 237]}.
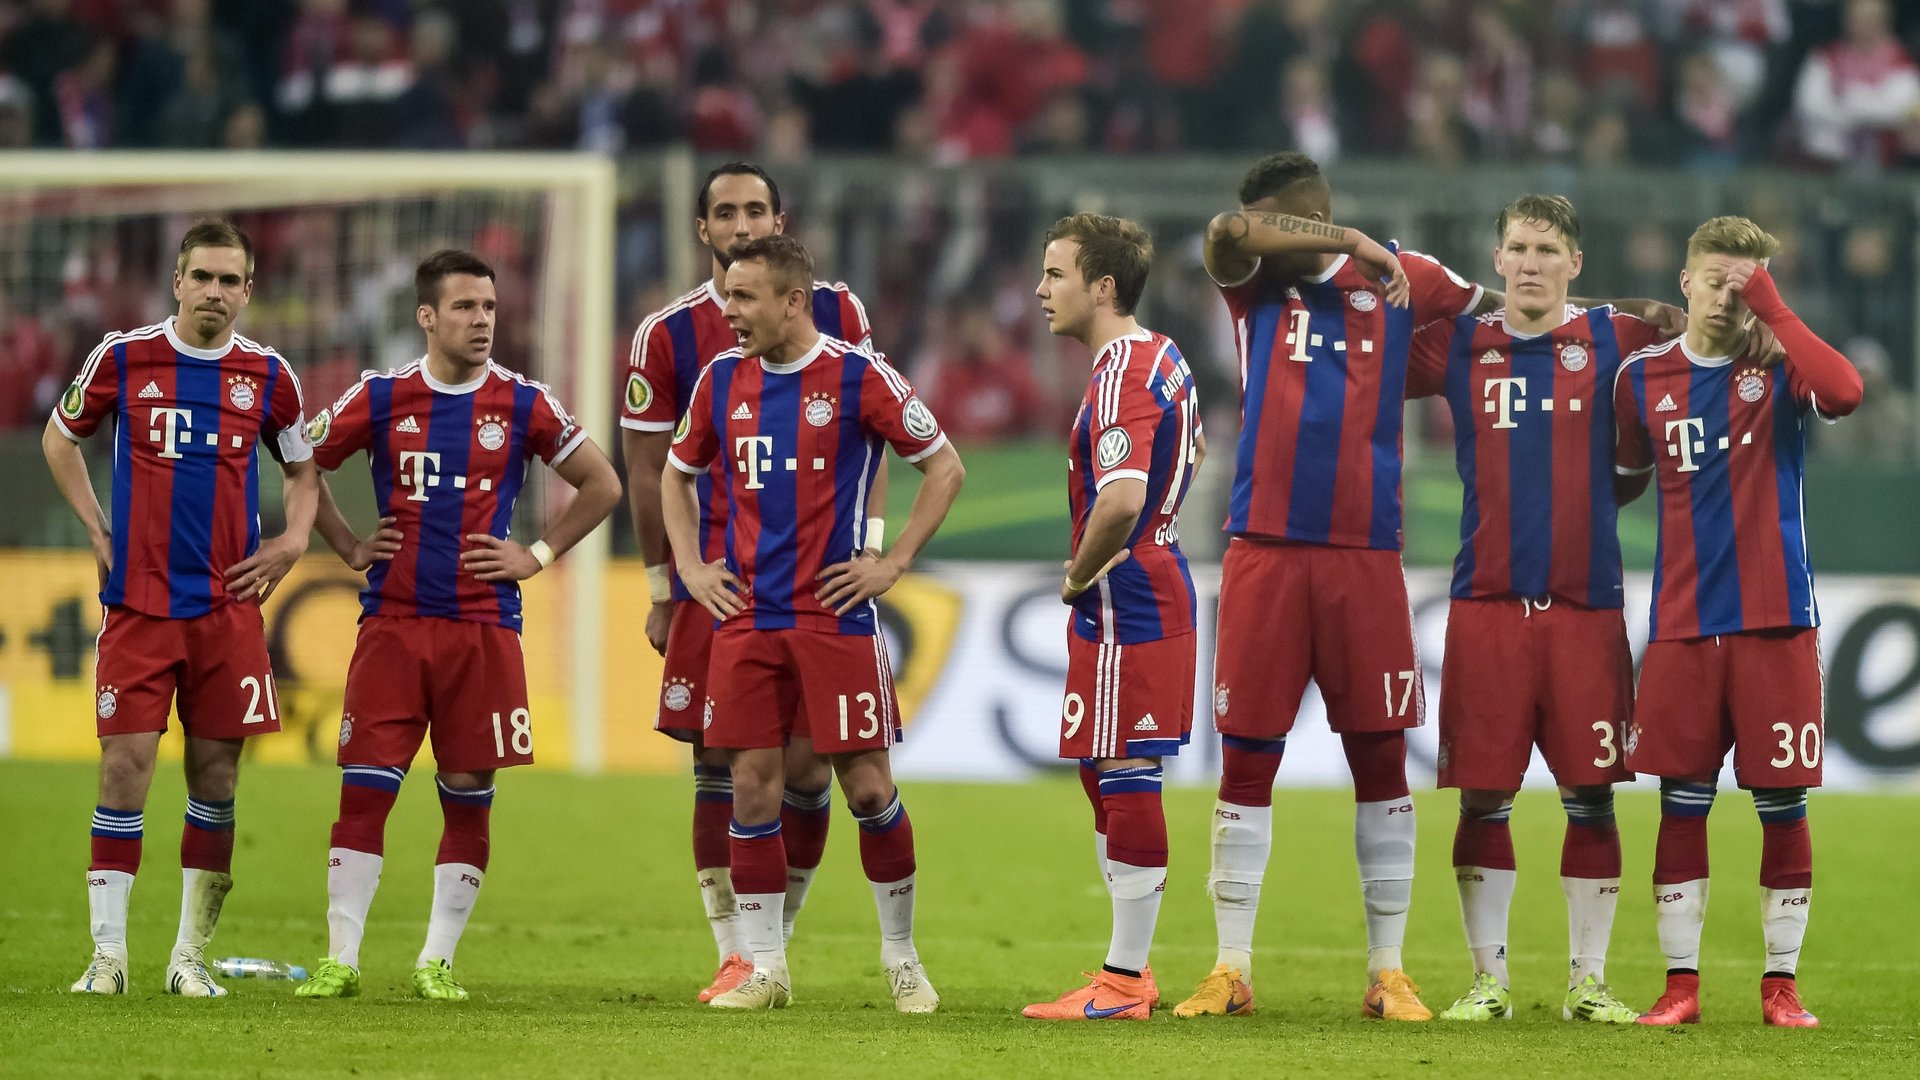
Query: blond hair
{"type": "Point", "coordinates": [1735, 236]}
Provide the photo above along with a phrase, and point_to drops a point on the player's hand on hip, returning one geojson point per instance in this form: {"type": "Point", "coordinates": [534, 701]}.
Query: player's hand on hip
{"type": "Point", "coordinates": [382, 546]}
{"type": "Point", "coordinates": [1380, 264]}
{"type": "Point", "coordinates": [103, 558]}
{"type": "Point", "coordinates": [847, 585]}
{"type": "Point", "coordinates": [496, 559]}
{"type": "Point", "coordinates": [714, 587]}
{"type": "Point", "coordinates": [254, 577]}
{"type": "Point", "coordinates": [1068, 594]}
{"type": "Point", "coordinates": [659, 619]}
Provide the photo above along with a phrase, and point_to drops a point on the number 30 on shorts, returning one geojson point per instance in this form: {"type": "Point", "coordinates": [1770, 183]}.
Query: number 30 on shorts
{"type": "Point", "coordinates": [1806, 741]}
{"type": "Point", "coordinates": [521, 723]}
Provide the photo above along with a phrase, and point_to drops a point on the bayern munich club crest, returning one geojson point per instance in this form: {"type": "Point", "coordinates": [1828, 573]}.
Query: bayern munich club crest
{"type": "Point", "coordinates": [1573, 357]}
{"type": "Point", "coordinates": [346, 728]}
{"type": "Point", "coordinates": [1751, 386]}
{"type": "Point", "coordinates": [677, 695]}
{"type": "Point", "coordinates": [1633, 738]}
{"type": "Point", "coordinates": [1362, 300]}
{"type": "Point", "coordinates": [242, 392]}
{"type": "Point", "coordinates": [819, 411]}
{"type": "Point", "coordinates": [707, 720]}
{"type": "Point", "coordinates": [1220, 699]}
{"type": "Point", "coordinates": [107, 703]}
{"type": "Point", "coordinates": [493, 433]}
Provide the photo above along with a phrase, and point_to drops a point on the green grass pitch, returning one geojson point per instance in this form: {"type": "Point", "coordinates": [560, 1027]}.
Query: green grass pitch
{"type": "Point", "coordinates": [588, 945]}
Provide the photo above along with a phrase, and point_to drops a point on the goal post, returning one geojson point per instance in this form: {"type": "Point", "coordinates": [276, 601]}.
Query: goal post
{"type": "Point", "coordinates": [88, 240]}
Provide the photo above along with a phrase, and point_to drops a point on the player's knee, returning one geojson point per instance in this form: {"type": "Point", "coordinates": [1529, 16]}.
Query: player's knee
{"type": "Point", "coordinates": [465, 781]}
{"type": "Point", "coordinates": [1482, 803]}
{"type": "Point", "coordinates": [1686, 798]}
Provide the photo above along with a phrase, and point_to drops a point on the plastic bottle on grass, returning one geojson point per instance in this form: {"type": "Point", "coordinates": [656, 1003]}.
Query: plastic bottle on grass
{"type": "Point", "coordinates": [248, 967]}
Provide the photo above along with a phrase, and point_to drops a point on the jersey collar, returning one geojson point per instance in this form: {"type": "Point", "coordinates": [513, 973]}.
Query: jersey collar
{"type": "Point", "coordinates": [1326, 275]}
{"type": "Point", "coordinates": [185, 349]}
{"type": "Point", "coordinates": [1141, 334]}
{"type": "Point", "coordinates": [713, 295]}
{"type": "Point", "coordinates": [1518, 335]}
{"type": "Point", "coordinates": [467, 387]}
{"type": "Point", "coordinates": [1703, 361]}
{"type": "Point", "coordinates": [792, 366]}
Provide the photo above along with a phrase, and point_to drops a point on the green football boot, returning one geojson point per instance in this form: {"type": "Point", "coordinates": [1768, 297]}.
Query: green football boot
{"type": "Point", "coordinates": [435, 982]}
{"type": "Point", "coordinates": [1486, 999]}
{"type": "Point", "coordinates": [1593, 1001]}
{"type": "Point", "coordinates": [331, 979]}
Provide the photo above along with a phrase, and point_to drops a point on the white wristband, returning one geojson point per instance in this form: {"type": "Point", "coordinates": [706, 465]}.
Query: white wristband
{"type": "Point", "coordinates": [876, 532]}
{"type": "Point", "coordinates": [659, 584]}
{"type": "Point", "coordinates": [542, 553]}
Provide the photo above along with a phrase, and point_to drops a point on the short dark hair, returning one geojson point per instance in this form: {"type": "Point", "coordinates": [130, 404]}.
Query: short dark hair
{"type": "Point", "coordinates": [215, 232]}
{"type": "Point", "coordinates": [1277, 172]}
{"type": "Point", "coordinates": [436, 267]}
{"type": "Point", "coordinates": [1554, 210]}
{"type": "Point", "coordinates": [738, 168]}
{"type": "Point", "coordinates": [1109, 247]}
{"type": "Point", "coordinates": [786, 258]}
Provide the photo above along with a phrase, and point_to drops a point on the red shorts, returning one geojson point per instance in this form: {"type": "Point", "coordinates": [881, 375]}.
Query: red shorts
{"type": "Point", "coordinates": [1336, 615]}
{"type": "Point", "coordinates": [683, 685]}
{"type": "Point", "coordinates": [766, 685]}
{"type": "Point", "coordinates": [1518, 675]}
{"type": "Point", "coordinates": [1758, 693]}
{"type": "Point", "coordinates": [214, 664]}
{"type": "Point", "coordinates": [465, 683]}
{"type": "Point", "coordinates": [1127, 701]}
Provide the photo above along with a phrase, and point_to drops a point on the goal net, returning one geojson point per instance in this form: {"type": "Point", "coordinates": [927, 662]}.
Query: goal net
{"type": "Point", "coordinates": [87, 246]}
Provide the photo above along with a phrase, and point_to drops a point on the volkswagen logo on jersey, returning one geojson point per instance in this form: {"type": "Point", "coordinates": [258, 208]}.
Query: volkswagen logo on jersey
{"type": "Point", "coordinates": [1220, 699]}
{"type": "Point", "coordinates": [493, 433]}
{"type": "Point", "coordinates": [318, 427]}
{"type": "Point", "coordinates": [1573, 357]}
{"type": "Point", "coordinates": [819, 409]}
{"type": "Point", "coordinates": [72, 401]}
{"type": "Point", "coordinates": [1751, 386]}
{"type": "Point", "coordinates": [1114, 448]}
{"type": "Point", "coordinates": [346, 728]}
{"type": "Point", "coordinates": [1362, 300]}
{"type": "Point", "coordinates": [107, 703]}
{"type": "Point", "coordinates": [240, 391]}
{"type": "Point", "coordinates": [919, 419]}
{"type": "Point", "coordinates": [678, 695]}
{"type": "Point", "coordinates": [639, 393]}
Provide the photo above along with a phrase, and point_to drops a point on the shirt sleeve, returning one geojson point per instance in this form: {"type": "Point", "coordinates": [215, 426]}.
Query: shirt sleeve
{"type": "Point", "coordinates": [343, 430]}
{"type": "Point", "coordinates": [1427, 360]}
{"type": "Point", "coordinates": [1633, 333]}
{"type": "Point", "coordinates": [695, 442]}
{"type": "Point", "coordinates": [1438, 293]}
{"type": "Point", "coordinates": [554, 434]}
{"type": "Point", "coordinates": [1124, 421]}
{"type": "Point", "coordinates": [651, 375]}
{"type": "Point", "coordinates": [854, 321]}
{"type": "Point", "coordinates": [287, 417]}
{"type": "Point", "coordinates": [1633, 447]}
{"type": "Point", "coordinates": [890, 408]}
{"type": "Point", "coordinates": [93, 394]}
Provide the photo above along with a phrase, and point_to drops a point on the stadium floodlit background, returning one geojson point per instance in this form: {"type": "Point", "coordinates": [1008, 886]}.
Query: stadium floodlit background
{"type": "Point", "coordinates": [921, 146]}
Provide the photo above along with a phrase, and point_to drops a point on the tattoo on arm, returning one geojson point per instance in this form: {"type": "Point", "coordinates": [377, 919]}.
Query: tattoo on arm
{"type": "Point", "coordinates": [1288, 223]}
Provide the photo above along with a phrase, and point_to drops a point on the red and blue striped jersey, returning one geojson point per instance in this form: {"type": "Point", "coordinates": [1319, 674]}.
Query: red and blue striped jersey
{"type": "Point", "coordinates": [1323, 370]}
{"type": "Point", "coordinates": [447, 460]}
{"type": "Point", "coordinates": [1139, 420]}
{"type": "Point", "coordinates": [1533, 436]}
{"type": "Point", "coordinates": [676, 343]}
{"type": "Point", "coordinates": [799, 443]}
{"type": "Point", "coordinates": [1727, 441]}
{"type": "Point", "coordinates": [187, 427]}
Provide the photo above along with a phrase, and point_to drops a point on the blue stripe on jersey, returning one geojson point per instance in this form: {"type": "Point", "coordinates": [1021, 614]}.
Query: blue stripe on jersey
{"type": "Point", "coordinates": [686, 358]}
{"type": "Point", "coordinates": [116, 590]}
{"type": "Point", "coordinates": [1789, 469]}
{"type": "Point", "coordinates": [777, 555]}
{"type": "Point", "coordinates": [721, 372]}
{"type": "Point", "coordinates": [1086, 608]}
{"type": "Point", "coordinates": [253, 457]}
{"type": "Point", "coordinates": [1637, 379]}
{"type": "Point", "coordinates": [436, 575]}
{"type": "Point", "coordinates": [195, 475]}
{"type": "Point", "coordinates": [1717, 594]}
{"type": "Point", "coordinates": [1384, 532]}
{"type": "Point", "coordinates": [1466, 442]}
{"type": "Point", "coordinates": [380, 457]}
{"type": "Point", "coordinates": [1260, 334]}
{"type": "Point", "coordinates": [1603, 540]}
{"type": "Point", "coordinates": [513, 476]}
{"type": "Point", "coordinates": [827, 316]}
{"type": "Point", "coordinates": [856, 458]}
{"type": "Point", "coordinates": [1530, 467]}
{"type": "Point", "coordinates": [1323, 407]}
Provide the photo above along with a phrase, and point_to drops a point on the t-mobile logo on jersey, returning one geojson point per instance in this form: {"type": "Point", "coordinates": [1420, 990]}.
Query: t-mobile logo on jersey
{"type": "Point", "coordinates": [171, 428]}
{"type": "Point", "coordinates": [1507, 396]}
{"type": "Point", "coordinates": [1686, 441]}
{"type": "Point", "coordinates": [756, 456]}
{"type": "Point", "coordinates": [419, 469]}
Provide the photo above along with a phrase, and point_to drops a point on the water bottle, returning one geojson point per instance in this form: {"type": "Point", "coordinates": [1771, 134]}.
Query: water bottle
{"type": "Point", "coordinates": [248, 967]}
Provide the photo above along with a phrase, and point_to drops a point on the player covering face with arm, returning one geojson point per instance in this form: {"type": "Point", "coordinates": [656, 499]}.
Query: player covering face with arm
{"type": "Point", "coordinates": [798, 420]}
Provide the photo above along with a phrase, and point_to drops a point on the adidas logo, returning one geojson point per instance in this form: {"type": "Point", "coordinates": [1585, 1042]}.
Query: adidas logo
{"type": "Point", "coordinates": [1146, 723]}
{"type": "Point", "coordinates": [1492, 356]}
{"type": "Point", "coordinates": [742, 412]}
{"type": "Point", "coordinates": [1666, 404]}
{"type": "Point", "coordinates": [410, 426]}
{"type": "Point", "coordinates": [151, 390]}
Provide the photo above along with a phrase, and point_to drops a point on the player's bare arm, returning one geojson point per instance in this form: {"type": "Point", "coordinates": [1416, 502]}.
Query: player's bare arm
{"type": "Point", "coordinates": [596, 491]}
{"type": "Point", "coordinates": [711, 584]}
{"type": "Point", "coordinates": [69, 466]}
{"type": "Point", "coordinates": [1237, 240]}
{"type": "Point", "coordinates": [357, 552]}
{"type": "Point", "coordinates": [1116, 511]}
{"type": "Point", "coordinates": [877, 506]}
{"type": "Point", "coordinates": [646, 453]}
{"type": "Point", "coordinates": [849, 584]}
{"type": "Point", "coordinates": [256, 576]}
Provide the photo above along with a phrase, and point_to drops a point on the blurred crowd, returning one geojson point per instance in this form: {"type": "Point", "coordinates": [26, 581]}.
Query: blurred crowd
{"type": "Point", "coordinates": [1700, 83]}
